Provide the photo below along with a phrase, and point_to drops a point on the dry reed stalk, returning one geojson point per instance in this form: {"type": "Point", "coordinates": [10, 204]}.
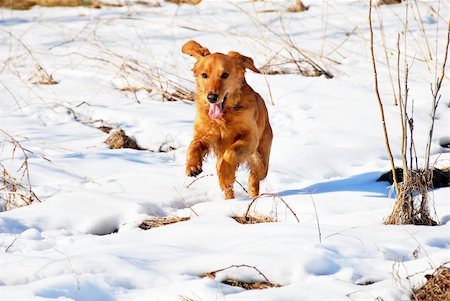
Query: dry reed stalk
{"type": "Point", "coordinates": [380, 103]}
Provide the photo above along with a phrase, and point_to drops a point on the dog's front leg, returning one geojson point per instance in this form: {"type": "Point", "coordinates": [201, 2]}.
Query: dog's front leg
{"type": "Point", "coordinates": [196, 152]}
{"type": "Point", "coordinates": [227, 164]}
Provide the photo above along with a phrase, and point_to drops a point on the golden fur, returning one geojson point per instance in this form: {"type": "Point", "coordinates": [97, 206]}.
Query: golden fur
{"type": "Point", "coordinates": [235, 126]}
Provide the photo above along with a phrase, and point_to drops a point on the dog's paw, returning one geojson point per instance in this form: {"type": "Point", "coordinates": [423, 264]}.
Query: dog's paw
{"type": "Point", "coordinates": [193, 170]}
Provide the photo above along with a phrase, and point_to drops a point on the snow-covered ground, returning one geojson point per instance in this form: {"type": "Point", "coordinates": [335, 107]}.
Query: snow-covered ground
{"type": "Point", "coordinates": [82, 241]}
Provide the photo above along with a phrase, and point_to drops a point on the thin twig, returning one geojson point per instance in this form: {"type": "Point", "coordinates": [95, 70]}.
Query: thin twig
{"type": "Point", "coordinates": [243, 266]}
{"type": "Point", "coordinates": [274, 195]}
{"type": "Point", "coordinates": [317, 218]}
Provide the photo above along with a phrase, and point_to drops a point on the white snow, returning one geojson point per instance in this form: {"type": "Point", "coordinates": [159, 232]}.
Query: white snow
{"type": "Point", "coordinates": [83, 241]}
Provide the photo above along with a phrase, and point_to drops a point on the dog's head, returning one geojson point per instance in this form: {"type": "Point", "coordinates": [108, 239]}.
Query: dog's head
{"type": "Point", "coordinates": [218, 75]}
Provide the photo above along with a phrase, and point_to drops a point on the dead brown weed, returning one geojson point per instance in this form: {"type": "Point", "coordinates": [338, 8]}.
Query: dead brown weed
{"type": "Point", "coordinates": [27, 4]}
{"type": "Point", "coordinates": [191, 2]}
{"type": "Point", "coordinates": [118, 139]}
{"type": "Point", "coordinates": [436, 288]}
{"type": "Point", "coordinates": [249, 219]}
{"type": "Point", "coordinates": [156, 222]}
{"type": "Point", "coordinates": [243, 284]}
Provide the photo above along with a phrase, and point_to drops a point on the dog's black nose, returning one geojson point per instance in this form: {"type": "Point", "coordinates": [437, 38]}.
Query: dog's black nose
{"type": "Point", "coordinates": [212, 98]}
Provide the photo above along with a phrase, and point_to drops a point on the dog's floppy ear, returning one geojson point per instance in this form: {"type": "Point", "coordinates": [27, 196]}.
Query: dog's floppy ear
{"type": "Point", "coordinates": [194, 49]}
{"type": "Point", "coordinates": [245, 61]}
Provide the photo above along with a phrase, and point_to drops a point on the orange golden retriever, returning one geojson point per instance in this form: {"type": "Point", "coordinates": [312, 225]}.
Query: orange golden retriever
{"type": "Point", "coordinates": [231, 120]}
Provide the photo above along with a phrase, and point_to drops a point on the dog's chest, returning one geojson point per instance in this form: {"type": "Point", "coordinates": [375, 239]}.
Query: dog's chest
{"type": "Point", "coordinates": [221, 136]}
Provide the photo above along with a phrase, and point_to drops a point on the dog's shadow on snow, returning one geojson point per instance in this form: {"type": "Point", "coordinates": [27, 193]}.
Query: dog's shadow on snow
{"type": "Point", "coordinates": [366, 182]}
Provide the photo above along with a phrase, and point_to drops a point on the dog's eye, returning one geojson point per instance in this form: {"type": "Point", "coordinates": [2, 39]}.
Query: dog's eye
{"type": "Point", "coordinates": [204, 75]}
{"type": "Point", "coordinates": [224, 75]}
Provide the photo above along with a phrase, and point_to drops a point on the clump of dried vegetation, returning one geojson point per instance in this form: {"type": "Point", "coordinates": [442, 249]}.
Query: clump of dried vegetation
{"type": "Point", "coordinates": [436, 288]}
{"type": "Point", "coordinates": [27, 4]}
{"type": "Point", "coordinates": [254, 219]}
{"type": "Point", "coordinates": [413, 202]}
{"type": "Point", "coordinates": [244, 284]}
{"type": "Point", "coordinates": [118, 139]}
{"type": "Point", "coordinates": [156, 222]}
{"type": "Point", "coordinates": [298, 7]}
{"type": "Point", "coordinates": [14, 192]}
{"type": "Point", "coordinates": [191, 2]}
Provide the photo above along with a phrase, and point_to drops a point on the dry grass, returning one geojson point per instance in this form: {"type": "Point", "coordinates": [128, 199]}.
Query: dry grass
{"type": "Point", "coordinates": [256, 285]}
{"type": "Point", "coordinates": [436, 288]}
{"type": "Point", "coordinates": [15, 193]}
{"type": "Point", "coordinates": [411, 206]}
{"type": "Point", "coordinates": [298, 7]}
{"type": "Point", "coordinates": [135, 89]}
{"type": "Point", "coordinates": [42, 77]}
{"type": "Point", "coordinates": [250, 285]}
{"type": "Point", "coordinates": [279, 65]}
{"type": "Point", "coordinates": [27, 4]}
{"type": "Point", "coordinates": [248, 220]}
{"type": "Point", "coordinates": [191, 2]}
{"type": "Point", "coordinates": [118, 139]}
{"type": "Point", "coordinates": [156, 222]}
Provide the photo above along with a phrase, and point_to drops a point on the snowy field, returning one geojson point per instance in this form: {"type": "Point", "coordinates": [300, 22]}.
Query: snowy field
{"type": "Point", "coordinates": [82, 241]}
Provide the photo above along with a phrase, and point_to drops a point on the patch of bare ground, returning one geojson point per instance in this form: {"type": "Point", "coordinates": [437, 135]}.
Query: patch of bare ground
{"type": "Point", "coordinates": [256, 285]}
{"type": "Point", "coordinates": [156, 222]}
{"type": "Point", "coordinates": [388, 2]}
{"type": "Point", "coordinates": [436, 288]}
{"type": "Point", "coordinates": [105, 129]}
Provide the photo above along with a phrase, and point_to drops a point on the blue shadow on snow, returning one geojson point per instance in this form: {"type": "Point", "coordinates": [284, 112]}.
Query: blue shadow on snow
{"type": "Point", "coordinates": [366, 182]}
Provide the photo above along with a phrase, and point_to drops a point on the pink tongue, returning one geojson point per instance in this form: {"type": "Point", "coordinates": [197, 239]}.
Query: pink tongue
{"type": "Point", "coordinates": [215, 111]}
